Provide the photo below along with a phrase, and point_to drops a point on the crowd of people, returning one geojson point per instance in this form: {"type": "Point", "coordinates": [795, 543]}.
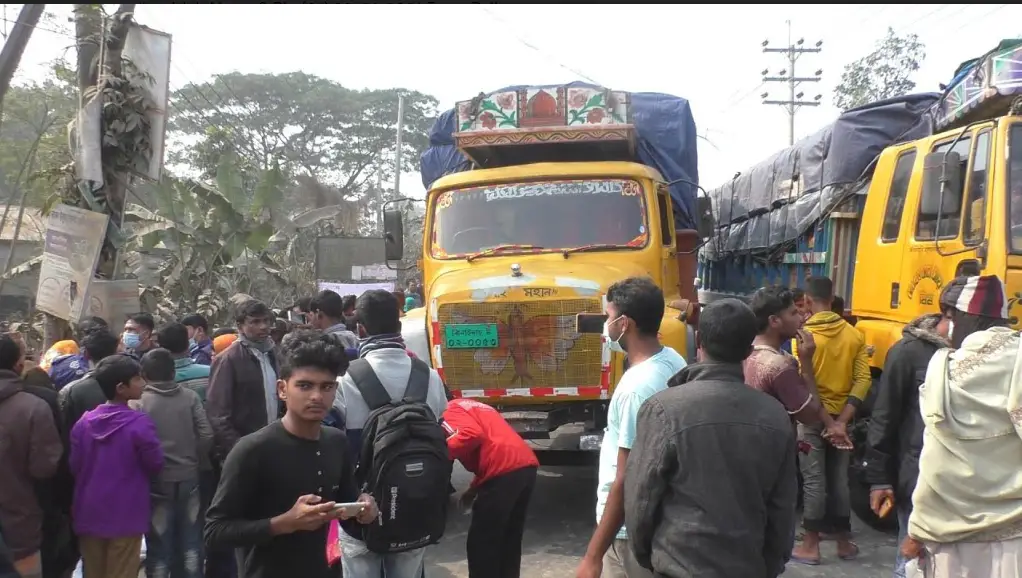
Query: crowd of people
{"type": "Point", "coordinates": [285, 445]}
{"type": "Point", "coordinates": [701, 464]}
{"type": "Point", "coordinates": [278, 447]}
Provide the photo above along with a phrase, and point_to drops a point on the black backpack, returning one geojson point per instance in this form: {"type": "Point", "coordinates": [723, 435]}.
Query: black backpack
{"type": "Point", "coordinates": [404, 462]}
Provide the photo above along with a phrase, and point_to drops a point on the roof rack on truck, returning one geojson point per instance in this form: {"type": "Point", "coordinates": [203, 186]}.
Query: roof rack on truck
{"type": "Point", "coordinates": [983, 88]}
{"type": "Point", "coordinates": [574, 122]}
{"type": "Point", "coordinates": [536, 124]}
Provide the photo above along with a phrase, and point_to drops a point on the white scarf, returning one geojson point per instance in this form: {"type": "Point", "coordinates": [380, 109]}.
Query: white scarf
{"type": "Point", "coordinates": [970, 468]}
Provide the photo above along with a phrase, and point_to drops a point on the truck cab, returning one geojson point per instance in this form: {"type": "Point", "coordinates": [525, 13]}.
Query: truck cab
{"type": "Point", "coordinates": [515, 249]}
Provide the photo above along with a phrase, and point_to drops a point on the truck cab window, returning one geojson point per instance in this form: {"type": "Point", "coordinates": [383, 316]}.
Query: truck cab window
{"type": "Point", "coordinates": [950, 224]}
{"type": "Point", "coordinates": [896, 196]}
{"type": "Point", "coordinates": [976, 197]}
{"type": "Point", "coordinates": [666, 218]}
{"type": "Point", "coordinates": [1014, 187]}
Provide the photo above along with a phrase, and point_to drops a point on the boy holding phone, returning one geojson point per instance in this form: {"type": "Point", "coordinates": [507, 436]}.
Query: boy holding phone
{"type": "Point", "coordinates": [283, 484]}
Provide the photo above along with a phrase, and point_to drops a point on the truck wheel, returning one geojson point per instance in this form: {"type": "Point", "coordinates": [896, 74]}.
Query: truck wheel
{"type": "Point", "coordinates": [858, 488]}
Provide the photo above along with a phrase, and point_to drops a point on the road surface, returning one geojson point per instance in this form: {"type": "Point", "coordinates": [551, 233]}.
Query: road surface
{"type": "Point", "coordinates": [561, 519]}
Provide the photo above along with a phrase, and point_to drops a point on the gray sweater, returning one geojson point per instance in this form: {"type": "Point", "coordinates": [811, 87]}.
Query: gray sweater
{"type": "Point", "coordinates": [182, 427]}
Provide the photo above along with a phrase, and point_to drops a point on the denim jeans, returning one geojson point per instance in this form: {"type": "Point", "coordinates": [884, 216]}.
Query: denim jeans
{"type": "Point", "coordinates": [174, 541]}
{"type": "Point", "coordinates": [899, 560]}
{"type": "Point", "coordinates": [358, 561]}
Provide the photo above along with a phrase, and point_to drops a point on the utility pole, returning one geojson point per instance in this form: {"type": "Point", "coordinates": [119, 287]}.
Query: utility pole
{"type": "Point", "coordinates": [16, 42]}
{"type": "Point", "coordinates": [397, 154]}
{"type": "Point", "coordinates": [795, 99]}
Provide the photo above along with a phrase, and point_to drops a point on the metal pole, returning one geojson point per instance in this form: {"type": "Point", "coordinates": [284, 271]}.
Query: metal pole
{"type": "Point", "coordinates": [397, 154]}
{"type": "Point", "coordinates": [16, 42]}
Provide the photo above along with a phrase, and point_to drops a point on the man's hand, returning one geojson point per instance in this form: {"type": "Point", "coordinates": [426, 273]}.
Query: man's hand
{"type": "Point", "coordinates": [837, 434]}
{"type": "Point", "coordinates": [806, 345]}
{"type": "Point", "coordinates": [877, 499]}
{"type": "Point", "coordinates": [466, 499]}
{"type": "Point", "coordinates": [309, 513]}
{"type": "Point", "coordinates": [589, 568]}
{"type": "Point", "coordinates": [912, 548]}
{"type": "Point", "coordinates": [370, 512]}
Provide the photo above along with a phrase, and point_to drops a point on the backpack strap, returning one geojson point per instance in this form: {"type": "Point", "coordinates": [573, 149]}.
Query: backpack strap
{"type": "Point", "coordinates": [368, 384]}
{"type": "Point", "coordinates": [418, 382]}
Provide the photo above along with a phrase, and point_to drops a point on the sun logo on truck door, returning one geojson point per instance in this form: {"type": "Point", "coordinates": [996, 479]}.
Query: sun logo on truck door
{"type": "Point", "coordinates": [544, 340]}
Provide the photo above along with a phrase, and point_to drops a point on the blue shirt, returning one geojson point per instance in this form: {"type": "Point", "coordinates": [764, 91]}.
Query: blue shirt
{"type": "Point", "coordinates": [639, 383]}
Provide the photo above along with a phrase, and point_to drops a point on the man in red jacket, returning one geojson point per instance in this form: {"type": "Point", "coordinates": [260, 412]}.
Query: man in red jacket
{"type": "Point", "coordinates": [505, 473]}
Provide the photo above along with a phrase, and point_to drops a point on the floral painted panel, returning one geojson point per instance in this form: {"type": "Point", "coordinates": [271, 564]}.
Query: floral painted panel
{"type": "Point", "coordinates": [543, 107]}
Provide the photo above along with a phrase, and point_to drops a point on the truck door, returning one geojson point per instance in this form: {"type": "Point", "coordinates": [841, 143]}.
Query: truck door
{"type": "Point", "coordinates": [925, 270]}
{"type": "Point", "coordinates": [877, 270]}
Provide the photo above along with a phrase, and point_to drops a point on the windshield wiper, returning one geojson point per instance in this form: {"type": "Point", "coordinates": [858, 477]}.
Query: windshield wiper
{"type": "Point", "coordinates": [594, 247]}
{"type": "Point", "coordinates": [499, 248]}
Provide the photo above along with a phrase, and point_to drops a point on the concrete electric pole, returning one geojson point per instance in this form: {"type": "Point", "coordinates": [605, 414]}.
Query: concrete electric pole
{"type": "Point", "coordinates": [795, 99]}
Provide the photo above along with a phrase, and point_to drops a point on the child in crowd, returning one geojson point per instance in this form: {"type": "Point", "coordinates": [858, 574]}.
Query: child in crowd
{"type": "Point", "coordinates": [114, 455]}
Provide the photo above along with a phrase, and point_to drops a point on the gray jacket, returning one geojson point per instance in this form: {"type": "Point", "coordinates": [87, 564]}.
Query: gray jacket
{"type": "Point", "coordinates": [182, 427]}
{"type": "Point", "coordinates": [711, 482]}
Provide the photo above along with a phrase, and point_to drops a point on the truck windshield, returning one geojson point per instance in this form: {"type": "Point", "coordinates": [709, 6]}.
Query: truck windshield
{"type": "Point", "coordinates": [1015, 187]}
{"type": "Point", "coordinates": [539, 216]}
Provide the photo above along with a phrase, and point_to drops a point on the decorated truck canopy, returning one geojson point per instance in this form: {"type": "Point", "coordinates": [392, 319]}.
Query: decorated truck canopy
{"type": "Point", "coordinates": [780, 198]}
{"type": "Point", "coordinates": [982, 88]}
{"type": "Point", "coordinates": [542, 123]}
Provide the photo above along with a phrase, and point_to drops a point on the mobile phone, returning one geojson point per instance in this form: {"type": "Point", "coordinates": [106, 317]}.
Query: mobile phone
{"type": "Point", "coordinates": [590, 323]}
{"type": "Point", "coordinates": [349, 509]}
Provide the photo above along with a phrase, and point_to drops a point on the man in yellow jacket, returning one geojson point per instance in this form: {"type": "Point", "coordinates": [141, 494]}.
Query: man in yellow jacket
{"type": "Point", "coordinates": [841, 366]}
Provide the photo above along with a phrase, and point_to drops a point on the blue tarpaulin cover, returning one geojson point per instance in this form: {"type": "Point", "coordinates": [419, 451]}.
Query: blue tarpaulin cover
{"type": "Point", "coordinates": [666, 141]}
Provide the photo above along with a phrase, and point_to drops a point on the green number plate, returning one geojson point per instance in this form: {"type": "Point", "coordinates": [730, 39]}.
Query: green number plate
{"type": "Point", "coordinates": [470, 336]}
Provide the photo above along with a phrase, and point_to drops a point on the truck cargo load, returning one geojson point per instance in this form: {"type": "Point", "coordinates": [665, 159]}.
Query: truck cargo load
{"type": "Point", "coordinates": [664, 126]}
{"type": "Point", "coordinates": [779, 199]}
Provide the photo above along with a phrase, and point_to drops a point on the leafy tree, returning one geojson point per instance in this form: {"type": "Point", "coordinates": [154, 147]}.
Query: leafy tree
{"type": "Point", "coordinates": [33, 133]}
{"type": "Point", "coordinates": [313, 128]}
{"type": "Point", "coordinates": [203, 243]}
{"type": "Point", "coordinates": [884, 73]}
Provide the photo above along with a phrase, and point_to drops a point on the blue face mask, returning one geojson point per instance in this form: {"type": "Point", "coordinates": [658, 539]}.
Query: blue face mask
{"type": "Point", "coordinates": [130, 340]}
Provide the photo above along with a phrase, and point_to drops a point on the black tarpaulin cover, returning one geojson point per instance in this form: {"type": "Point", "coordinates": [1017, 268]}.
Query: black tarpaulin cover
{"type": "Point", "coordinates": [781, 197]}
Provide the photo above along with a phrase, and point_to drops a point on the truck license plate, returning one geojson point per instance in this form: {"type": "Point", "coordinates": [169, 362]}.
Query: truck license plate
{"type": "Point", "coordinates": [470, 336]}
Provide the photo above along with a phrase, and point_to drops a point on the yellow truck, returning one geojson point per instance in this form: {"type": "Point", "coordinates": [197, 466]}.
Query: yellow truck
{"type": "Point", "coordinates": [891, 201]}
{"type": "Point", "coordinates": [539, 198]}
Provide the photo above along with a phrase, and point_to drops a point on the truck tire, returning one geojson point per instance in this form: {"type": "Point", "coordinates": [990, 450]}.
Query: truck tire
{"type": "Point", "coordinates": [858, 488]}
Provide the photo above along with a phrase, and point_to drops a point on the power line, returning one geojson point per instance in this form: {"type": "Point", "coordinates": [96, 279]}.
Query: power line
{"type": "Point", "coordinates": [540, 51]}
{"type": "Point", "coordinates": [795, 101]}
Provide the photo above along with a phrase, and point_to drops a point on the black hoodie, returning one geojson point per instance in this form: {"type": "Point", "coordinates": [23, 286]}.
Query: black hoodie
{"type": "Point", "coordinates": [895, 435]}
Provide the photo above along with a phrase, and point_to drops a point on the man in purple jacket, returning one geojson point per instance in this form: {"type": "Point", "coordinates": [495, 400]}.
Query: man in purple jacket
{"type": "Point", "coordinates": [115, 453]}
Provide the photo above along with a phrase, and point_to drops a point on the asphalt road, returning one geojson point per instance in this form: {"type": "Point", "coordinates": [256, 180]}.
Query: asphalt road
{"type": "Point", "coordinates": [561, 520]}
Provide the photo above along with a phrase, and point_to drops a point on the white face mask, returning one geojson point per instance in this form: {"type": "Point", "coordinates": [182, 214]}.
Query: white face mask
{"type": "Point", "coordinates": [950, 329]}
{"type": "Point", "coordinates": [615, 344]}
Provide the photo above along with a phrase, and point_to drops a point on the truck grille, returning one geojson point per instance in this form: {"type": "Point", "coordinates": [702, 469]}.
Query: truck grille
{"type": "Point", "coordinates": [537, 345]}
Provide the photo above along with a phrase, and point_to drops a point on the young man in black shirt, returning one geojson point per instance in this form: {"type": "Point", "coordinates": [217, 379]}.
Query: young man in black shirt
{"type": "Point", "coordinates": [280, 484]}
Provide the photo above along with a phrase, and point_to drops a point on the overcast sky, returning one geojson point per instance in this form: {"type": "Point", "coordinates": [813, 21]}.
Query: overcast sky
{"type": "Point", "coordinates": [711, 55]}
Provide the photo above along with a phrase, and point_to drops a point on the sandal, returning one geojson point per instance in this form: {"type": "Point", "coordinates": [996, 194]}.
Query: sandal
{"type": "Point", "coordinates": [805, 561]}
{"type": "Point", "coordinates": [854, 553]}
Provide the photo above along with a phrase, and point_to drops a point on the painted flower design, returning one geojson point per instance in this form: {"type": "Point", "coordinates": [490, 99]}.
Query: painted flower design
{"type": "Point", "coordinates": [488, 120]}
{"type": "Point", "coordinates": [595, 116]}
{"type": "Point", "coordinates": [505, 101]}
{"type": "Point", "coordinates": [578, 99]}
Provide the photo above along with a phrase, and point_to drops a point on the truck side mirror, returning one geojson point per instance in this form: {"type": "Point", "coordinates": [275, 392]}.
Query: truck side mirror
{"type": "Point", "coordinates": [938, 167]}
{"type": "Point", "coordinates": [704, 210]}
{"type": "Point", "coordinates": [393, 235]}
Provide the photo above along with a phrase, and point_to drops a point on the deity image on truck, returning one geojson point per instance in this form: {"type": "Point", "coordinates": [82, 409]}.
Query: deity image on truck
{"type": "Point", "coordinates": [539, 198]}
